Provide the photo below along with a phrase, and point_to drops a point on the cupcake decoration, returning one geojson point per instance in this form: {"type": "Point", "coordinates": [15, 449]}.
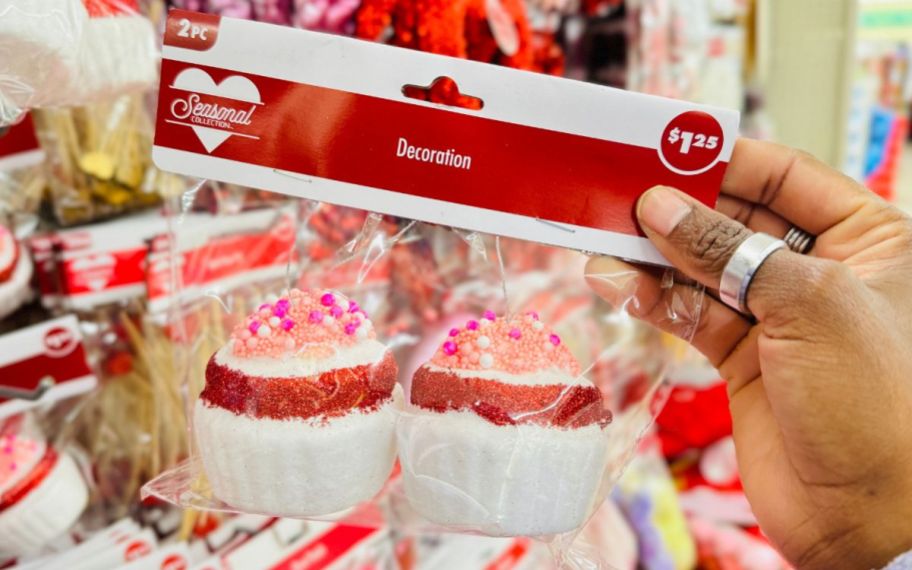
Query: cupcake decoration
{"type": "Point", "coordinates": [42, 493]}
{"type": "Point", "coordinates": [504, 436]}
{"type": "Point", "coordinates": [15, 273]}
{"type": "Point", "coordinates": [298, 414]}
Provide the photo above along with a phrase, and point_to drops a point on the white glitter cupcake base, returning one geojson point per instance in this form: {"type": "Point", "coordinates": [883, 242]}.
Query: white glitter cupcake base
{"type": "Point", "coordinates": [469, 474]}
{"type": "Point", "coordinates": [45, 512]}
{"type": "Point", "coordinates": [296, 468]}
{"type": "Point", "coordinates": [15, 291]}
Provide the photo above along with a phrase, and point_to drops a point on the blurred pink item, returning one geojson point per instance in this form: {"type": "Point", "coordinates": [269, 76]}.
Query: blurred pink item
{"type": "Point", "coordinates": [609, 534]}
{"type": "Point", "coordinates": [335, 16]}
{"type": "Point", "coordinates": [730, 548]}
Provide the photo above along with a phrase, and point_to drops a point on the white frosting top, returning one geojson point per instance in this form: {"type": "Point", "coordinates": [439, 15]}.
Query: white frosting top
{"type": "Point", "coordinates": [367, 351]}
{"type": "Point", "coordinates": [538, 378]}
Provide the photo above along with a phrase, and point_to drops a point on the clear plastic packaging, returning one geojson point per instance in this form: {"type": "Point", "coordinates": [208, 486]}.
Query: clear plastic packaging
{"type": "Point", "coordinates": [22, 185]}
{"type": "Point", "coordinates": [76, 53]}
{"type": "Point", "coordinates": [99, 160]}
{"type": "Point", "coordinates": [15, 272]}
{"type": "Point", "coordinates": [42, 491]}
{"type": "Point", "coordinates": [520, 396]}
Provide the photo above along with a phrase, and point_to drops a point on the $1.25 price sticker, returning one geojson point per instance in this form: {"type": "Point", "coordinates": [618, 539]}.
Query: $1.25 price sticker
{"type": "Point", "coordinates": [691, 143]}
{"type": "Point", "coordinates": [689, 139]}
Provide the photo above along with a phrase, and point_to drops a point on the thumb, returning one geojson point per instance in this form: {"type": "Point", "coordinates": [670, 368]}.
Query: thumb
{"type": "Point", "coordinates": [700, 241]}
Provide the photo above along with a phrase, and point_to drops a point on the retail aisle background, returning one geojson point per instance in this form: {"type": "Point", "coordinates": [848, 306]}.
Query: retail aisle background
{"type": "Point", "coordinates": [904, 195]}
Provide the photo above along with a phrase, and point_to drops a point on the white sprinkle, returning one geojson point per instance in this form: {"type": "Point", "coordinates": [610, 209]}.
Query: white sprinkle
{"type": "Point", "coordinates": [486, 360]}
{"type": "Point", "coordinates": [483, 322]}
{"type": "Point", "coordinates": [483, 342]}
{"type": "Point", "coordinates": [274, 321]}
{"type": "Point", "coordinates": [361, 332]}
{"type": "Point", "coordinates": [367, 324]}
{"type": "Point", "coordinates": [538, 325]}
{"type": "Point", "coordinates": [548, 345]}
{"type": "Point", "coordinates": [264, 331]}
{"type": "Point", "coordinates": [329, 320]}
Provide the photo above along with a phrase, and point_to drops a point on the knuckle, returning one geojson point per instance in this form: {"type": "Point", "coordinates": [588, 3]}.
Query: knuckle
{"type": "Point", "coordinates": [716, 243]}
{"type": "Point", "coordinates": [800, 155]}
{"type": "Point", "coordinates": [822, 278]}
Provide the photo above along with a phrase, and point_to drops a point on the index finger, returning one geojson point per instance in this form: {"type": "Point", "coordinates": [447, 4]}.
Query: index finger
{"type": "Point", "coordinates": [794, 184]}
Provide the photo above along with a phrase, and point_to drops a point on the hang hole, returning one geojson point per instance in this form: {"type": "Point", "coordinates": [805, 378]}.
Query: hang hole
{"type": "Point", "coordinates": [443, 91]}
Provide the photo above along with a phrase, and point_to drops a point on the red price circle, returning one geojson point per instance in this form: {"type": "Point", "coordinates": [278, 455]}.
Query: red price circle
{"type": "Point", "coordinates": [691, 142]}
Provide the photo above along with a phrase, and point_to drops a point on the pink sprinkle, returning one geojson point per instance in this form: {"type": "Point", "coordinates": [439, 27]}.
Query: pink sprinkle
{"type": "Point", "coordinates": [350, 328]}
{"type": "Point", "coordinates": [279, 312]}
{"type": "Point", "coordinates": [283, 304]}
{"type": "Point", "coordinates": [490, 315]}
{"type": "Point", "coordinates": [450, 348]}
{"type": "Point", "coordinates": [264, 306]}
{"type": "Point", "coordinates": [555, 340]}
{"type": "Point", "coordinates": [533, 314]}
{"type": "Point", "coordinates": [8, 450]}
{"type": "Point", "coordinates": [328, 300]}
{"type": "Point", "coordinates": [288, 324]}
{"type": "Point", "coordinates": [472, 325]}
{"type": "Point", "coordinates": [515, 333]}
{"type": "Point", "coordinates": [353, 307]}
{"type": "Point", "coordinates": [336, 311]}
{"type": "Point", "coordinates": [454, 332]}
{"type": "Point", "coordinates": [253, 326]}
{"type": "Point", "coordinates": [315, 317]}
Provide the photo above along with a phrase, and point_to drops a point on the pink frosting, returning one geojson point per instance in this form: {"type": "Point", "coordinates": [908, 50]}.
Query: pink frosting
{"type": "Point", "coordinates": [299, 322]}
{"type": "Point", "coordinates": [517, 345]}
{"type": "Point", "coordinates": [18, 455]}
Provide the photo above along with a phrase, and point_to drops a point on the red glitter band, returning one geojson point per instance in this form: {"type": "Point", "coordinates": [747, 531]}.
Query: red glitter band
{"type": "Point", "coordinates": [331, 394]}
{"type": "Point", "coordinates": [509, 404]}
{"type": "Point", "coordinates": [34, 478]}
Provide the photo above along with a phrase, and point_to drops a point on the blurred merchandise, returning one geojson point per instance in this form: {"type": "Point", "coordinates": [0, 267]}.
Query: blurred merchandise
{"type": "Point", "coordinates": [42, 492]}
{"type": "Point", "coordinates": [100, 160]}
{"type": "Point", "coordinates": [118, 282]}
{"type": "Point", "coordinates": [72, 53]}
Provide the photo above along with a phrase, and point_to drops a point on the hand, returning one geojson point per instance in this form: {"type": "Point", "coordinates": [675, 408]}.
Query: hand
{"type": "Point", "coordinates": [820, 386]}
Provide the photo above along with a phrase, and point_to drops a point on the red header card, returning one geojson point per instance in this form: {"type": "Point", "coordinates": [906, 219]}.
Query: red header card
{"type": "Point", "coordinates": [325, 117]}
{"type": "Point", "coordinates": [42, 363]}
{"type": "Point", "coordinates": [19, 146]}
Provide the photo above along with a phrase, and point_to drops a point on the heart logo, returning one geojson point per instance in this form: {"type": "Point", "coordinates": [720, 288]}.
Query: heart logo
{"type": "Point", "coordinates": [211, 138]}
{"type": "Point", "coordinates": [93, 272]}
{"type": "Point", "coordinates": [212, 120]}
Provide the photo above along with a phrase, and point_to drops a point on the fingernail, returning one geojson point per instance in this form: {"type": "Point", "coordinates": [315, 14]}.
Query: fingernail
{"type": "Point", "coordinates": [661, 210]}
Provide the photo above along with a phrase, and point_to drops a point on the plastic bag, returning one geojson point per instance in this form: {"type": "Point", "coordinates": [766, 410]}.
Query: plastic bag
{"type": "Point", "coordinates": [99, 160]}
{"type": "Point", "coordinates": [527, 395]}
{"type": "Point", "coordinates": [42, 490]}
{"type": "Point", "coordinates": [70, 57]}
{"type": "Point", "coordinates": [22, 184]}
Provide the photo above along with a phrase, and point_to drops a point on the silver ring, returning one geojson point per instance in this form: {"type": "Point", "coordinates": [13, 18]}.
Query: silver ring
{"type": "Point", "coordinates": [799, 241]}
{"type": "Point", "coordinates": [743, 265]}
